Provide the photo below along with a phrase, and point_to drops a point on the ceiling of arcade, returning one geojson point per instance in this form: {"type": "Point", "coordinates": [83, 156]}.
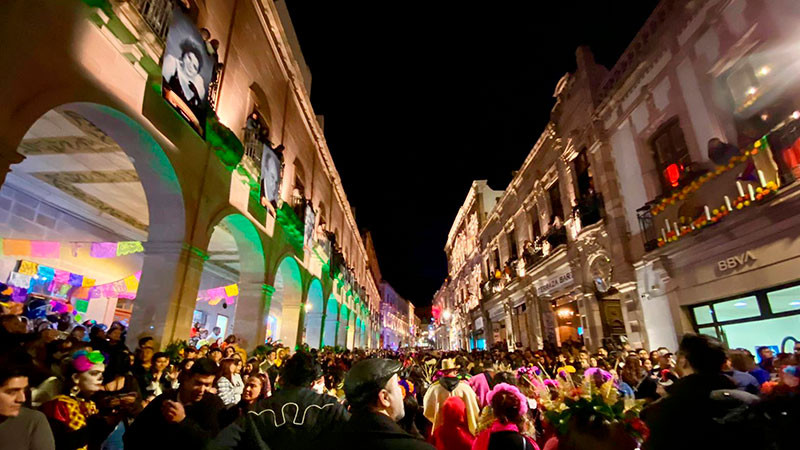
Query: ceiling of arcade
{"type": "Point", "coordinates": [71, 163]}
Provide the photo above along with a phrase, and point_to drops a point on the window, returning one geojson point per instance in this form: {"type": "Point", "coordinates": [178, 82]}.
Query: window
{"type": "Point", "coordinates": [554, 194]}
{"type": "Point", "coordinates": [222, 323]}
{"type": "Point", "coordinates": [512, 244]}
{"type": "Point", "coordinates": [785, 300]}
{"type": "Point", "coordinates": [583, 175]}
{"type": "Point", "coordinates": [496, 256]}
{"type": "Point", "coordinates": [535, 230]}
{"type": "Point", "coordinates": [740, 308]}
{"type": "Point", "coordinates": [671, 154]}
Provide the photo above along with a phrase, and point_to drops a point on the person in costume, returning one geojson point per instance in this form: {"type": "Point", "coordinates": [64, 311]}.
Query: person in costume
{"type": "Point", "coordinates": [449, 385]}
{"type": "Point", "coordinates": [74, 418]}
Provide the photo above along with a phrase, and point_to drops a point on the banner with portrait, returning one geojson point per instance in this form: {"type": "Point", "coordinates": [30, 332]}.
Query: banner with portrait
{"type": "Point", "coordinates": [186, 71]}
{"type": "Point", "coordinates": [271, 174]}
{"type": "Point", "coordinates": [310, 221]}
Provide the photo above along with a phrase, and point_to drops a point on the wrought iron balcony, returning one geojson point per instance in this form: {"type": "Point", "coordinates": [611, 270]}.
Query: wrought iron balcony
{"type": "Point", "coordinates": [556, 236]}
{"type": "Point", "coordinates": [590, 209]}
{"type": "Point", "coordinates": [157, 14]}
{"type": "Point", "coordinates": [745, 180]}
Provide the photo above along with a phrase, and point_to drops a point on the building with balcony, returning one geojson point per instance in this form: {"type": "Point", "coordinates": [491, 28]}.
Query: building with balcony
{"type": "Point", "coordinates": [463, 283]}
{"type": "Point", "coordinates": [552, 251]}
{"type": "Point", "coordinates": [397, 319]}
{"type": "Point", "coordinates": [161, 165]}
{"type": "Point", "coordinates": [702, 122]}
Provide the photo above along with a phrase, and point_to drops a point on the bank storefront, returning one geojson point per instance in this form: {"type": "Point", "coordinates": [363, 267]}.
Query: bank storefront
{"type": "Point", "coordinates": [740, 284]}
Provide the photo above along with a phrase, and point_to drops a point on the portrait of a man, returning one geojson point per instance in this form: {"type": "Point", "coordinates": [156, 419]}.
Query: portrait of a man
{"type": "Point", "coordinates": [270, 177]}
{"type": "Point", "coordinates": [186, 71]}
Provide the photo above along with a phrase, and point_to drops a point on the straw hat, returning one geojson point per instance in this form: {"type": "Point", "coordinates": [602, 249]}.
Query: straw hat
{"type": "Point", "coordinates": [450, 364]}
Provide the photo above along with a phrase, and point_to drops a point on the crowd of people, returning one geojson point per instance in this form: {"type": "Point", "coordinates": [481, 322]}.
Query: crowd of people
{"type": "Point", "coordinates": [70, 386]}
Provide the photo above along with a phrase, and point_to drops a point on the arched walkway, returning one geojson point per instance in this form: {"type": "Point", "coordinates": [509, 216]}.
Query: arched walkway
{"type": "Point", "coordinates": [331, 322]}
{"type": "Point", "coordinates": [313, 318]}
{"type": "Point", "coordinates": [92, 173]}
{"type": "Point", "coordinates": [284, 310]}
{"type": "Point", "coordinates": [344, 317]}
{"type": "Point", "coordinates": [235, 257]}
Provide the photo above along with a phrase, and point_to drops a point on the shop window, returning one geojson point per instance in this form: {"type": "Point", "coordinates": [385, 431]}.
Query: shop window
{"type": "Point", "coordinates": [703, 315]}
{"type": "Point", "coordinates": [784, 300]}
{"type": "Point", "coordinates": [740, 308]}
{"type": "Point", "coordinates": [751, 335]}
{"type": "Point", "coordinates": [671, 155]}
{"type": "Point", "coordinates": [709, 331]}
{"type": "Point", "coordinates": [556, 210]}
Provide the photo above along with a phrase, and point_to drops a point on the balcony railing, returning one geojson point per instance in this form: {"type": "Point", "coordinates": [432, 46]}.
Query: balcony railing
{"type": "Point", "coordinates": [157, 14]}
{"type": "Point", "coordinates": [253, 146]}
{"type": "Point", "coordinates": [745, 180]}
{"type": "Point", "coordinates": [590, 209]}
{"type": "Point", "coordinates": [556, 236]}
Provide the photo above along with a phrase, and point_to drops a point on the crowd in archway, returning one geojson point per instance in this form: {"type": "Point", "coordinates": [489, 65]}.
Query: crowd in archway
{"type": "Point", "coordinates": [73, 386]}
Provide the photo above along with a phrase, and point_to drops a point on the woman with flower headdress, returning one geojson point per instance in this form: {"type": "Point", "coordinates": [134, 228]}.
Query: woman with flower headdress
{"type": "Point", "coordinates": [509, 407]}
{"type": "Point", "coordinates": [73, 416]}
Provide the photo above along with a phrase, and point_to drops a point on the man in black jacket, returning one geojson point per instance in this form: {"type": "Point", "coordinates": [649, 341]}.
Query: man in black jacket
{"type": "Point", "coordinates": [376, 401]}
{"type": "Point", "coordinates": [182, 418]}
{"type": "Point", "coordinates": [296, 417]}
{"type": "Point", "coordinates": [701, 405]}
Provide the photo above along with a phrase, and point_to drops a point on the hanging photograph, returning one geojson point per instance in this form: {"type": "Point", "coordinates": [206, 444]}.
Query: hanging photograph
{"type": "Point", "coordinates": [310, 220]}
{"type": "Point", "coordinates": [271, 168]}
{"type": "Point", "coordinates": [186, 71]}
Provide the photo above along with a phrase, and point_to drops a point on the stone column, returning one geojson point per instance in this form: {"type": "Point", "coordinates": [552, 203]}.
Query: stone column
{"type": "Point", "coordinates": [250, 318]}
{"type": "Point", "coordinates": [535, 336]}
{"type": "Point", "coordinates": [341, 333]}
{"type": "Point", "coordinates": [351, 330]}
{"type": "Point", "coordinates": [167, 294]}
{"type": "Point", "coordinates": [511, 337]}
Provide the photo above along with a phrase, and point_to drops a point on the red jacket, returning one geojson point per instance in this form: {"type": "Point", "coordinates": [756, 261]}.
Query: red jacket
{"type": "Point", "coordinates": [454, 433]}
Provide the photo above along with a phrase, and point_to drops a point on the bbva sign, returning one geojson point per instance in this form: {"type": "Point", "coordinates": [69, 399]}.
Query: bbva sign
{"type": "Point", "coordinates": [735, 261]}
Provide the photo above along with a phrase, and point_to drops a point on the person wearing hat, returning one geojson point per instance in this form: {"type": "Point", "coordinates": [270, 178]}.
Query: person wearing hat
{"type": "Point", "coordinates": [376, 401]}
{"type": "Point", "coordinates": [450, 386]}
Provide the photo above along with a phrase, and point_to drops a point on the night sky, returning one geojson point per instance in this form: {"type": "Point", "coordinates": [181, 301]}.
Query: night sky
{"type": "Point", "coordinates": [421, 98]}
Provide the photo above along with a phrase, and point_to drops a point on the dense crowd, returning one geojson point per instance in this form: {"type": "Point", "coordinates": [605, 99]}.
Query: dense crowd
{"type": "Point", "coordinates": [79, 386]}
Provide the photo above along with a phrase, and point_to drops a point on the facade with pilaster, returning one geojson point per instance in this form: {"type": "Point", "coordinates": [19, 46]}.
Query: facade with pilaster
{"type": "Point", "coordinates": [702, 121]}
{"type": "Point", "coordinates": [552, 254]}
{"type": "Point", "coordinates": [90, 150]}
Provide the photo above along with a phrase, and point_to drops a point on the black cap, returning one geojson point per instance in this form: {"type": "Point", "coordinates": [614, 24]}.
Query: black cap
{"type": "Point", "coordinates": [366, 378]}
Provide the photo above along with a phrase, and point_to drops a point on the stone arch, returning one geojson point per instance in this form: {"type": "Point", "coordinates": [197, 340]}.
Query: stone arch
{"type": "Point", "coordinates": [313, 314]}
{"type": "Point", "coordinates": [236, 256]}
{"type": "Point", "coordinates": [344, 321]}
{"type": "Point", "coordinates": [69, 133]}
{"type": "Point", "coordinates": [284, 310]}
{"type": "Point", "coordinates": [331, 321]}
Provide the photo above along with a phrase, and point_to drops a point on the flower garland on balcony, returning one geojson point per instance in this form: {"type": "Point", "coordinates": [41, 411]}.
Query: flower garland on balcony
{"type": "Point", "coordinates": [712, 217]}
{"type": "Point", "coordinates": [681, 194]}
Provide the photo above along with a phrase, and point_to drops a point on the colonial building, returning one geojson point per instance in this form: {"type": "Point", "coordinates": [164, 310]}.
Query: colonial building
{"type": "Point", "coordinates": [550, 255]}
{"type": "Point", "coordinates": [161, 165]}
{"type": "Point", "coordinates": [462, 286]}
{"type": "Point", "coordinates": [701, 122]}
{"type": "Point", "coordinates": [397, 319]}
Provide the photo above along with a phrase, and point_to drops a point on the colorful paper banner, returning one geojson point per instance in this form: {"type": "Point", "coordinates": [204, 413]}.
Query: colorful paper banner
{"type": "Point", "coordinates": [45, 249]}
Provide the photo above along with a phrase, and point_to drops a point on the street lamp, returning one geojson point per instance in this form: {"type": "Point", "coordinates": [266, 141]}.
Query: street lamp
{"type": "Point", "coordinates": [308, 307]}
{"type": "Point", "coordinates": [446, 315]}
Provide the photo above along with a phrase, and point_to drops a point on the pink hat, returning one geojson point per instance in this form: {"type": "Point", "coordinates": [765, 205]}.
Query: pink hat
{"type": "Point", "coordinates": [505, 387]}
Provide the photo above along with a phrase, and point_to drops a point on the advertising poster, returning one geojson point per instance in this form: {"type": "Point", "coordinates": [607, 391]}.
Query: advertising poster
{"type": "Point", "coordinates": [186, 71]}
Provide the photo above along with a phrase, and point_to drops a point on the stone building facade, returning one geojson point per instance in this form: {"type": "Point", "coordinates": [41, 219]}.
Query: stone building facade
{"type": "Point", "coordinates": [712, 223]}
{"type": "Point", "coordinates": [92, 151]}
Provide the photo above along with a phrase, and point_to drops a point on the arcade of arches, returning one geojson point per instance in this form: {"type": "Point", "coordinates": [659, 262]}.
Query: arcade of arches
{"type": "Point", "coordinates": [113, 207]}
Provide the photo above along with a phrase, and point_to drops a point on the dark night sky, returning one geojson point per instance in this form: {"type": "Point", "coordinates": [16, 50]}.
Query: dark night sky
{"type": "Point", "coordinates": [421, 98]}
